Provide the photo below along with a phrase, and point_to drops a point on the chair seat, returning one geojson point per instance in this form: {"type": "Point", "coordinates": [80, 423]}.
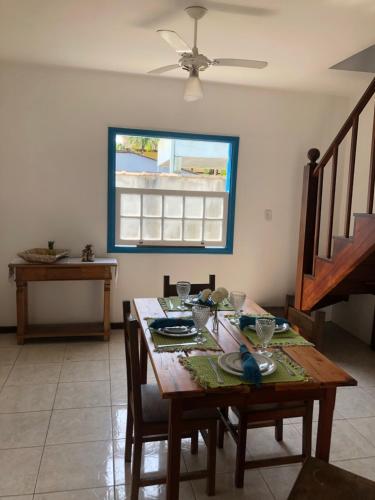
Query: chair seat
{"type": "Point", "coordinates": [156, 410]}
{"type": "Point", "coordinates": [291, 405]}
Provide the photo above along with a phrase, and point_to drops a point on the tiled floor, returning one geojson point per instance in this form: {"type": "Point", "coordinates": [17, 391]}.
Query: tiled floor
{"type": "Point", "coordinates": [62, 419]}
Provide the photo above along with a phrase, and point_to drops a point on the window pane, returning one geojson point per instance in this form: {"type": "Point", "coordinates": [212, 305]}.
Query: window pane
{"type": "Point", "coordinates": [173, 206]}
{"type": "Point", "coordinates": [130, 204]}
{"type": "Point", "coordinates": [172, 230]}
{"type": "Point", "coordinates": [194, 207]}
{"type": "Point", "coordinates": [151, 229]}
{"type": "Point", "coordinates": [130, 228]}
{"type": "Point", "coordinates": [152, 205]}
{"type": "Point", "coordinates": [213, 230]}
{"type": "Point", "coordinates": [214, 208]}
{"type": "Point", "coordinates": [193, 230]}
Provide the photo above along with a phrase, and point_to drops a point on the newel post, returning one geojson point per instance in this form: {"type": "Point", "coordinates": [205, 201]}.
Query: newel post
{"type": "Point", "coordinates": [307, 224]}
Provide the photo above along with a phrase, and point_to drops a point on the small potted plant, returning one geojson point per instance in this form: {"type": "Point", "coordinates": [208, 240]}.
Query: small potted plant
{"type": "Point", "coordinates": [213, 299]}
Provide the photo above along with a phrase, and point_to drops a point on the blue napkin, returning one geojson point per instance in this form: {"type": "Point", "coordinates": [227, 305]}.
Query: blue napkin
{"type": "Point", "coordinates": [250, 321]}
{"type": "Point", "coordinates": [251, 372]}
{"type": "Point", "coordinates": [163, 322]}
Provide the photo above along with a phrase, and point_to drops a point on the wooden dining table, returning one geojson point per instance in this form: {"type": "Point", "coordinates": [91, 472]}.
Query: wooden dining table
{"type": "Point", "coordinates": [176, 385]}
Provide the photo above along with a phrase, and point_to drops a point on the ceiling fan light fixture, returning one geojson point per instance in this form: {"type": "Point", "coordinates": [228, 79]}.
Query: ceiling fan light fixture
{"type": "Point", "coordinates": [193, 87]}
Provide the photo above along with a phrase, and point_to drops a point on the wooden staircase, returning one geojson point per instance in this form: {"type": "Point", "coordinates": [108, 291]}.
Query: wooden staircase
{"type": "Point", "coordinates": [348, 265]}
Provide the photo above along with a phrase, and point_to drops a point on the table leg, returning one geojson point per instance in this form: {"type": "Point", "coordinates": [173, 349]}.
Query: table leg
{"type": "Point", "coordinates": [21, 310]}
{"type": "Point", "coordinates": [326, 409]}
{"type": "Point", "coordinates": [106, 313]}
{"type": "Point", "coordinates": [143, 358]}
{"type": "Point", "coordinates": [174, 449]}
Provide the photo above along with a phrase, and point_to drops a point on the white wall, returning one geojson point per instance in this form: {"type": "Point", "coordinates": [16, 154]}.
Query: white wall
{"type": "Point", "coordinates": [53, 184]}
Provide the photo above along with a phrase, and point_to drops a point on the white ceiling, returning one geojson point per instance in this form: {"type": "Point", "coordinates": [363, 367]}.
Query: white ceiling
{"type": "Point", "coordinates": [300, 39]}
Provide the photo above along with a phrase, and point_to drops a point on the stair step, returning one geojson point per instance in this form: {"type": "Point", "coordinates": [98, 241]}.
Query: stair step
{"type": "Point", "coordinates": [364, 215]}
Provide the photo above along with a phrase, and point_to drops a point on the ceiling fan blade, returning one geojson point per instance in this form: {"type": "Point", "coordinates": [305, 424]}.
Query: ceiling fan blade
{"type": "Point", "coordinates": [241, 63]}
{"type": "Point", "coordinates": [175, 41]}
{"type": "Point", "coordinates": [163, 69]}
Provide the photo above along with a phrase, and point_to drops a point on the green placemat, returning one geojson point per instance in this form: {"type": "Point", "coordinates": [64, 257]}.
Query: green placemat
{"type": "Point", "coordinates": [172, 303]}
{"type": "Point", "coordinates": [284, 339]}
{"type": "Point", "coordinates": [202, 372]}
{"type": "Point", "coordinates": [172, 344]}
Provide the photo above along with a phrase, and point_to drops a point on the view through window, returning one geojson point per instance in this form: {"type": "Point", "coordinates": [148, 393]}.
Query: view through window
{"type": "Point", "coordinates": [170, 191]}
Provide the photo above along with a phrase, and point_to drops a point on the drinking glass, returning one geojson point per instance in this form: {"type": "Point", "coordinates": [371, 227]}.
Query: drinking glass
{"type": "Point", "coordinates": [237, 300]}
{"type": "Point", "coordinates": [265, 328]}
{"type": "Point", "coordinates": [200, 318]}
{"type": "Point", "coordinates": [183, 290]}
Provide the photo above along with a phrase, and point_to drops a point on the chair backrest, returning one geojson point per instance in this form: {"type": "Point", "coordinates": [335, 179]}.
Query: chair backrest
{"type": "Point", "coordinates": [169, 290]}
{"type": "Point", "coordinates": [310, 327]}
{"type": "Point", "coordinates": [133, 369]}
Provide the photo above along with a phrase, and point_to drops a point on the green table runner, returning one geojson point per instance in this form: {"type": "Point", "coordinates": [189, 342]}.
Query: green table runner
{"type": "Point", "coordinates": [172, 303]}
{"type": "Point", "coordinates": [172, 344]}
{"type": "Point", "coordinates": [202, 372]}
{"type": "Point", "coordinates": [284, 339]}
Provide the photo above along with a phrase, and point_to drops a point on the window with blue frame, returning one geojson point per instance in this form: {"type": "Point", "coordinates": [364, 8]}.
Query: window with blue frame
{"type": "Point", "coordinates": [171, 192]}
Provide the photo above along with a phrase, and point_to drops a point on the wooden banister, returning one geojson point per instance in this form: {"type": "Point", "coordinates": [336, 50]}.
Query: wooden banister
{"type": "Point", "coordinates": [362, 103]}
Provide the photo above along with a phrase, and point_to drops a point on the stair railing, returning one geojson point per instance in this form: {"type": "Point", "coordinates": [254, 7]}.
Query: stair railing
{"type": "Point", "coordinates": [311, 210]}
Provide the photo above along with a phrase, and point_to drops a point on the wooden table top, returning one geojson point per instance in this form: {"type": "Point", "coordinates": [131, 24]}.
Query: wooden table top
{"type": "Point", "coordinates": [175, 381]}
{"type": "Point", "coordinates": [65, 261]}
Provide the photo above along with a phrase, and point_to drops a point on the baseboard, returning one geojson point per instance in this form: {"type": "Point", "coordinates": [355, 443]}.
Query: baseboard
{"type": "Point", "coordinates": [13, 328]}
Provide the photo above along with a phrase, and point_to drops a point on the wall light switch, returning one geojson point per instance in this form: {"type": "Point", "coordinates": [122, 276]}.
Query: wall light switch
{"type": "Point", "coordinates": [268, 214]}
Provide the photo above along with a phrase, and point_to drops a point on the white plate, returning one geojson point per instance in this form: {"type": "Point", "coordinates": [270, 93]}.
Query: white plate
{"type": "Point", "coordinates": [192, 301]}
{"type": "Point", "coordinates": [231, 363]}
{"type": "Point", "coordinates": [278, 329]}
{"type": "Point", "coordinates": [184, 332]}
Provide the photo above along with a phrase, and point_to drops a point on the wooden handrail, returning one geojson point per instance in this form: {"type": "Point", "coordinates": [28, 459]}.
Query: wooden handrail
{"type": "Point", "coordinates": [371, 179]}
{"type": "Point", "coordinates": [364, 100]}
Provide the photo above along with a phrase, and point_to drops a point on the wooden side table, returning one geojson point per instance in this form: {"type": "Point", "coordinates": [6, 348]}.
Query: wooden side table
{"type": "Point", "coordinates": [63, 270]}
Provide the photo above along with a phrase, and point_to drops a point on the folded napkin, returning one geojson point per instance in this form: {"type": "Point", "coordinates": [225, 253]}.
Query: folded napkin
{"type": "Point", "coordinates": [251, 372]}
{"type": "Point", "coordinates": [250, 321]}
{"type": "Point", "coordinates": [164, 322]}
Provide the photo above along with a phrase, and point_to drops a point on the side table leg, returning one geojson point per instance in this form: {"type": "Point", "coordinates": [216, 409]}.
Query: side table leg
{"type": "Point", "coordinates": [106, 315]}
{"type": "Point", "coordinates": [21, 295]}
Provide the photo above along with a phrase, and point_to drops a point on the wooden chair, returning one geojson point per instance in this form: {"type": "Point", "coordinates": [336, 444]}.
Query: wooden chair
{"type": "Point", "coordinates": [269, 415]}
{"type": "Point", "coordinates": [310, 327]}
{"type": "Point", "coordinates": [169, 290]}
{"type": "Point", "coordinates": [325, 481]}
{"type": "Point", "coordinates": [149, 420]}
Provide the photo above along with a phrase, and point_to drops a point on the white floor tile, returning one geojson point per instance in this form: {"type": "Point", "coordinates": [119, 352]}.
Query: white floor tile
{"type": "Point", "coordinates": [280, 480]}
{"type": "Point", "coordinates": [8, 354]}
{"type": "Point", "coordinates": [21, 430]}
{"type": "Point", "coordinates": [346, 442]}
{"type": "Point", "coordinates": [4, 373]}
{"type": "Point", "coordinates": [42, 373]}
{"type": "Point", "coordinates": [261, 442]}
{"type": "Point", "coordinates": [87, 351]}
{"type": "Point", "coordinates": [118, 369]}
{"type": "Point", "coordinates": [79, 425]}
{"type": "Point", "coordinates": [89, 494]}
{"type": "Point", "coordinates": [119, 392]}
{"type": "Point", "coordinates": [84, 371]}
{"type": "Point", "coordinates": [27, 398]}
{"type": "Point", "coordinates": [41, 353]}
{"type": "Point", "coordinates": [119, 414]}
{"type": "Point", "coordinates": [155, 492]}
{"type": "Point", "coordinates": [366, 427]}
{"type": "Point", "coordinates": [19, 469]}
{"type": "Point", "coordinates": [82, 394]}
{"type": "Point", "coordinates": [8, 339]}
{"type": "Point", "coordinates": [76, 466]}
{"type": "Point", "coordinates": [364, 467]}
{"type": "Point", "coordinates": [254, 487]}
{"type": "Point", "coordinates": [353, 402]}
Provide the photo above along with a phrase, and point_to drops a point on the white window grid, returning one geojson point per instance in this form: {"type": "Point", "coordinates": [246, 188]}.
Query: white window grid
{"type": "Point", "coordinates": [164, 242]}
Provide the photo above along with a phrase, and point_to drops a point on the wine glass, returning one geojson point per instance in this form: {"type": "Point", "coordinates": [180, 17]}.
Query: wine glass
{"type": "Point", "coordinates": [183, 290]}
{"type": "Point", "coordinates": [200, 318]}
{"type": "Point", "coordinates": [265, 328]}
{"type": "Point", "coordinates": [237, 300]}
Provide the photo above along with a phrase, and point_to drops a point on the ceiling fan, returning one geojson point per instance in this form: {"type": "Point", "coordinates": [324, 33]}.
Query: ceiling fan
{"type": "Point", "coordinates": [194, 62]}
